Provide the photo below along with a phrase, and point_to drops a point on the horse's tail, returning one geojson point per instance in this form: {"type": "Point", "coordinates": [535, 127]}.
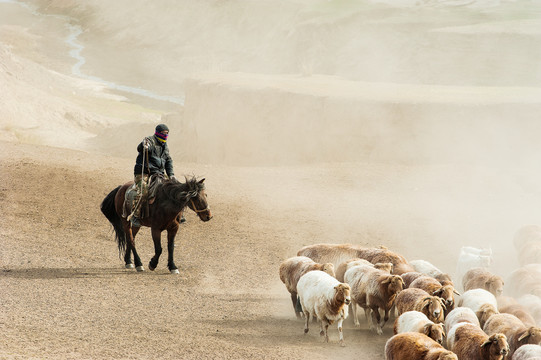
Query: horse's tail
{"type": "Point", "coordinates": [109, 210]}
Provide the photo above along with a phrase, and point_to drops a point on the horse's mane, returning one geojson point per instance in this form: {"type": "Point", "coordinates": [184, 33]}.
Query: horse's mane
{"type": "Point", "coordinates": [179, 191]}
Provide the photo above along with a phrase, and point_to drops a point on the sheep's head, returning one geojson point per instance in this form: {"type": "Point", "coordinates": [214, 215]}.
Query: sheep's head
{"type": "Point", "coordinates": [435, 332]}
{"type": "Point", "coordinates": [498, 345]}
{"type": "Point", "coordinates": [433, 306]}
{"type": "Point", "coordinates": [531, 336]}
{"type": "Point", "coordinates": [387, 267]}
{"type": "Point", "coordinates": [447, 294]}
{"type": "Point", "coordinates": [329, 269]}
{"type": "Point", "coordinates": [444, 279]}
{"type": "Point", "coordinates": [485, 311]}
{"type": "Point", "coordinates": [395, 284]}
{"type": "Point", "coordinates": [495, 285]}
{"type": "Point", "coordinates": [343, 293]}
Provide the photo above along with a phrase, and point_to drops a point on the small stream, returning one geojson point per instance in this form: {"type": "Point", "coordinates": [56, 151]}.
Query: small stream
{"type": "Point", "coordinates": [76, 53]}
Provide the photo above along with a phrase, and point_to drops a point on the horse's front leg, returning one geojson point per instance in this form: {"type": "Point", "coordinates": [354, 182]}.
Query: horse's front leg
{"type": "Point", "coordinates": [171, 233]}
{"type": "Point", "coordinates": [157, 238]}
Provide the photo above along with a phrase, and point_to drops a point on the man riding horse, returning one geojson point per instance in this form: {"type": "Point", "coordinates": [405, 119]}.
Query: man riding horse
{"type": "Point", "coordinates": [153, 159]}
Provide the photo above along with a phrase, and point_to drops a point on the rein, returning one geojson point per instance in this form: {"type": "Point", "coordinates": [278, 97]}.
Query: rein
{"type": "Point", "coordinates": [195, 209]}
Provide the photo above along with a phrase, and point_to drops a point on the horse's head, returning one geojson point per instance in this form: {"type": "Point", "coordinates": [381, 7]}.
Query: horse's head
{"type": "Point", "coordinates": [198, 199]}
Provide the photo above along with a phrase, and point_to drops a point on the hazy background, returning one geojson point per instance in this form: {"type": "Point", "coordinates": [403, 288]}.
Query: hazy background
{"type": "Point", "coordinates": [303, 81]}
{"type": "Point", "coordinates": [421, 120]}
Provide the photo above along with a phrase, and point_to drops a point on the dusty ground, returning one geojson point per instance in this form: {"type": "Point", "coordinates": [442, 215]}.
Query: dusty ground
{"type": "Point", "coordinates": [64, 292]}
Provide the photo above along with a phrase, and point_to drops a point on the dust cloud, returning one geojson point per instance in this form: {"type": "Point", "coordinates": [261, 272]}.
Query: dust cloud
{"type": "Point", "coordinates": [413, 126]}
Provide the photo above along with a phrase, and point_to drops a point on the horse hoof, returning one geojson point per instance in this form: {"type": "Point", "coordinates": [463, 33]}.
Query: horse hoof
{"type": "Point", "coordinates": [130, 266]}
{"type": "Point", "coordinates": [175, 271]}
{"type": "Point", "coordinates": [140, 268]}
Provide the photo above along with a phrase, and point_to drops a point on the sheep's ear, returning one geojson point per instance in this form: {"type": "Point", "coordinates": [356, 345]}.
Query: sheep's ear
{"type": "Point", "coordinates": [456, 292]}
{"type": "Point", "coordinates": [437, 292]}
{"type": "Point", "coordinates": [524, 336]}
{"type": "Point", "coordinates": [486, 343]}
{"type": "Point", "coordinates": [386, 281]}
{"type": "Point", "coordinates": [426, 302]}
{"type": "Point", "coordinates": [426, 329]}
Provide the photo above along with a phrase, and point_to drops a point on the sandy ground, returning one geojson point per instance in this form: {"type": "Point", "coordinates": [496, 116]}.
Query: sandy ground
{"type": "Point", "coordinates": [66, 143]}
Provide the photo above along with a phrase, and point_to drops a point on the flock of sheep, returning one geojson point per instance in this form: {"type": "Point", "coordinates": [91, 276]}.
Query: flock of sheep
{"type": "Point", "coordinates": [432, 319]}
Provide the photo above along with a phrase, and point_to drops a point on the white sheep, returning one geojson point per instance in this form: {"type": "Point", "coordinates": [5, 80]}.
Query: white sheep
{"type": "Point", "coordinates": [291, 271]}
{"type": "Point", "coordinates": [324, 298]}
{"type": "Point", "coordinates": [470, 258]}
{"type": "Point", "coordinates": [415, 346]}
{"type": "Point", "coordinates": [470, 342]}
{"type": "Point", "coordinates": [458, 315]}
{"type": "Point", "coordinates": [416, 321]}
{"type": "Point", "coordinates": [429, 269]}
{"type": "Point", "coordinates": [482, 302]}
{"type": "Point", "coordinates": [528, 352]}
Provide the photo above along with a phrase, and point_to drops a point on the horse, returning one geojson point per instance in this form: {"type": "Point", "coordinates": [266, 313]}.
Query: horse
{"type": "Point", "coordinates": [164, 213]}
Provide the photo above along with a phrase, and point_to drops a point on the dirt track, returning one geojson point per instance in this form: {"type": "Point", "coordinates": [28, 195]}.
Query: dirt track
{"type": "Point", "coordinates": [66, 293]}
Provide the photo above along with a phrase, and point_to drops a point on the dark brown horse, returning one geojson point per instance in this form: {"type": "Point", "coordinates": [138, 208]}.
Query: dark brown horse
{"type": "Point", "coordinates": [171, 198]}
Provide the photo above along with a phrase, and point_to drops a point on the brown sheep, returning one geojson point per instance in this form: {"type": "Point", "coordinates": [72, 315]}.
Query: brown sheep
{"type": "Point", "coordinates": [415, 346]}
{"type": "Point", "coordinates": [419, 300]}
{"type": "Point", "coordinates": [373, 289]}
{"type": "Point", "coordinates": [528, 233]}
{"type": "Point", "coordinates": [410, 277]}
{"type": "Point", "coordinates": [338, 253]}
{"type": "Point", "coordinates": [434, 287]}
{"type": "Point", "coordinates": [517, 333]}
{"type": "Point", "coordinates": [291, 271]}
{"type": "Point", "coordinates": [480, 278]}
{"type": "Point", "coordinates": [520, 312]}
{"type": "Point", "coordinates": [469, 342]}
{"type": "Point", "coordinates": [525, 280]}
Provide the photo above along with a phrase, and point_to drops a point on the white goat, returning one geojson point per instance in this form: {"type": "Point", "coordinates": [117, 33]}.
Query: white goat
{"type": "Point", "coordinates": [470, 258]}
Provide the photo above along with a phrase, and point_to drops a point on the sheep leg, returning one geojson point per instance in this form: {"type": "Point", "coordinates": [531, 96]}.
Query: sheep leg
{"type": "Point", "coordinates": [367, 316]}
{"type": "Point", "coordinates": [385, 317]}
{"type": "Point", "coordinates": [354, 313]}
{"type": "Point", "coordinates": [296, 304]}
{"type": "Point", "coordinates": [376, 318]}
{"type": "Point", "coordinates": [340, 332]}
{"type": "Point", "coordinates": [324, 332]}
{"type": "Point", "coordinates": [307, 320]}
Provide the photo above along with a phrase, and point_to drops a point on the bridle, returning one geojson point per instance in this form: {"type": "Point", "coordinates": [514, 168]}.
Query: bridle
{"type": "Point", "coordinates": [195, 209]}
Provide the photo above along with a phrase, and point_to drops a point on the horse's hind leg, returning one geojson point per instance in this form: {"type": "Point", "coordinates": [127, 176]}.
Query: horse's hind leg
{"type": "Point", "coordinates": [130, 248]}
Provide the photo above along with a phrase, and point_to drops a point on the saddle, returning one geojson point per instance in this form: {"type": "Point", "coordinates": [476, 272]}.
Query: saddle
{"type": "Point", "coordinates": [134, 192]}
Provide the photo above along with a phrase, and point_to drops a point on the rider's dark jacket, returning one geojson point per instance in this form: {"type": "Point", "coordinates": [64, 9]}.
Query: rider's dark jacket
{"type": "Point", "coordinates": [159, 159]}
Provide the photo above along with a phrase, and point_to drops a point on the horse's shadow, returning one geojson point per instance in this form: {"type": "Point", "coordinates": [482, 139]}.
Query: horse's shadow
{"type": "Point", "coordinates": [61, 273]}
